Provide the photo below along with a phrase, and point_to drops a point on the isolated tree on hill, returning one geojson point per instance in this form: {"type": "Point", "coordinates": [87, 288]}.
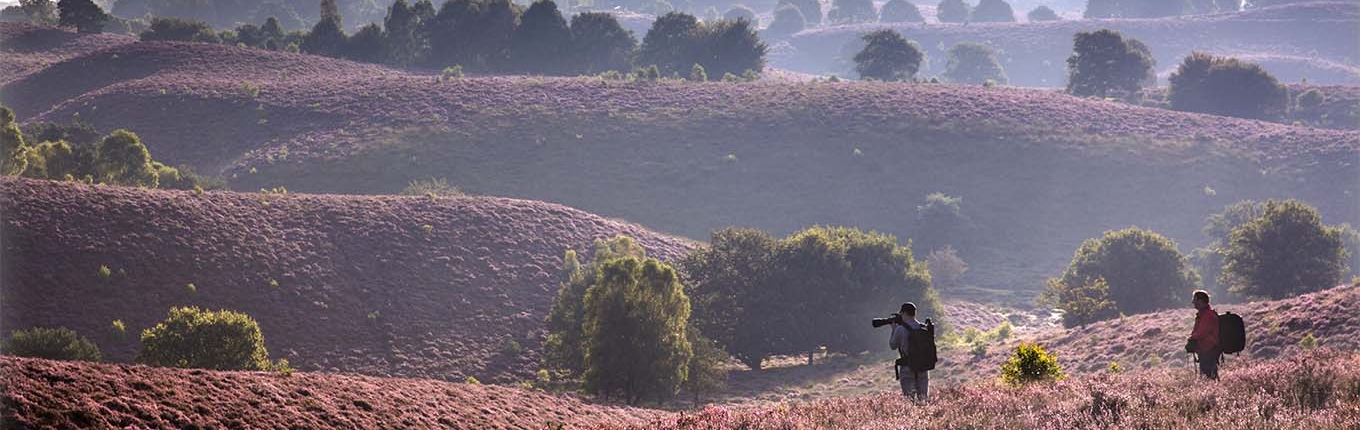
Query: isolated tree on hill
{"type": "Point", "coordinates": [1285, 252]}
{"type": "Point", "coordinates": [122, 159]}
{"type": "Point", "coordinates": [635, 330]}
{"type": "Point", "coordinates": [84, 15]}
{"type": "Point", "coordinates": [973, 63]}
{"type": "Point", "coordinates": [1144, 270]}
{"type": "Point", "coordinates": [740, 11]}
{"type": "Point", "coordinates": [811, 10]}
{"type": "Point", "coordinates": [787, 21]}
{"type": "Point", "coordinates": [992, 11]}
{"type": "Point", "coordinates": [730, 47]}
{"type": "Point", "coordinates": [900, 11]}
{"type": "Point", "coordinates": [328, 35]}
{"type": "Point", "coordinates": [1226, 86]}
{"type": "Point", "coordinates": [670, 44]}
{"type": "Point", "coordinates": [564, 350]}
{"type": "Point", "coordinates": [1042, 13]}
{"type": "Point", "coordinates": [887, 56]}
{"type": "Point", "coordinates": [193, 338]}
{"type": "Point", "coordinates": [952, 11]}
{"type": "Point", "coordinates": [600, 43]}
{"type": "Point", "coordinates": [540, 41]}
{"type": "Point", "coordinates": [367, 45]}
{"type": "Point", "coordinates": [850, 11]}
{"type": "Point", "coordinates": [1103, 63]}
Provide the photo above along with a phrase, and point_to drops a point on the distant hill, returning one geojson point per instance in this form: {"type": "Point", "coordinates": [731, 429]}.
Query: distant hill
{"type": "Point", "coordinates": [1317, 41]}
{"type": "Point", "coordinates": [386, 286]}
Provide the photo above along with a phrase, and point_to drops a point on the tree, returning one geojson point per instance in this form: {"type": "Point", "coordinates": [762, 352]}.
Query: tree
{"type": "Point", "coordinates": [811, 10]}
{"type": "Point", "coordinates": [992, 11]}
{"type": "Point", "coordinates": [122, 159]}
{"type": "Point", "coordinates": [706, 373]}
{"type": "Point", "coordinates": [1208, 260]}
{"type": "Point", "coordinates": [730, 47]}
{"type": "Point", "coordinates": [735, 301]}
{"type": "Point", "coordinates": [408, 30]}
{"type": "Point", "coordinates": [367, 45]}
{"type": "Point", "coordinates": [740, 11]}
{"type": "Point", "coordinates": [787, 21]}
{"type": "Point", "coordinates": [850, 11]}
{"type": "Point", "coordinates": [42, 12]}
{"type": "Point", "coordinates": [202, 339]}
{"type": "Point", "coordinates": [1103, 62]}
{"type": "Point", "coordinates": [1226, 86]}
{"type": "Point", "coordinates": [600, 43]}
{"type": "Point", "coordinates": [887, 56]}
{"type": "Point", "coordinates": [946, 268]}
{"type": "Point", "coordinates": [84, 15]}
{"type": "Point", "coordinates": [1285, 252]}
{"type": "Point", "coordinates": [328, 35]}
{"type": "Point", "coordinates": [1143, 270]}
{"type": "Point", "coordinates": [900, 11]}
{"type": "Point", "coordinates": [13, 150]}
{"type": "Point", "coordinates": [59, 343]}
{"type": "Point", "coordinates": [184, 30]}
{"type": "Point", "coordinates": [1042, 13]}
{"type": "Point", "coordinates": [1083, 303]}
{"type": "Point", "coordinates": [634, 327]}
{"type": "Point", "coordinates": [564, 350]}
{"type": "Point", "coordinates": [939, 221]}
{"type": "Point", "coordinates": [670, 44]}
{"type": "Point", "coordinates": [973, 63]}
{"type": "Point", "coordinates": [952, 11]}
{"type": "Point", "coordinates": [537, 45]}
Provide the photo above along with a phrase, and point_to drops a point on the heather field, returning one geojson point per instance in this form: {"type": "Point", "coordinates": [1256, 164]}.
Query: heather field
{"type": "Point", "coordinates": [1316, 41]}
{"type": "Point", "coordinates": [386, 286]}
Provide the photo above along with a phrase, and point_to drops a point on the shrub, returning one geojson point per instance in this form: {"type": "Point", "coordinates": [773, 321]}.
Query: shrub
{"type": "Point", "coordinates": [811, 10]}
{"type": "Point", "coordinates": [670, 43]}
{"type": "Point", "coordinates": [1082, 303]}
{"type": "Point", "coordinates": [1285, 252]}
{"type": "Point", "coordinates": [900, 11]}
{"type": "Point", "coordinates": [887, 56]}
{"type": "Point", "coordinates": [787, 20]}
{"type": "Point", "coordinates": [183, 30]}
{"type": "Point", "coordinates": [634, 330]}
{"type": "Point", "coordinates": [432, 186]}
{"type": "Point", "coordinates": [1031, 363]}
{"type": "Point", "coordinates": [1308, 342]}
{"type": "Point", "coordinates": [740, 11]}
{"type": "Point", "coordinates": [194, 338]}
{"type": "Point", "coordinates": [952, 11]}
{"type": "Point", "coordinates": [600, 44]}
{"type": "Point", "coordinates": [706, 373]}
{"type": "Point", "coordinates": [1115, 368]}
{"type": "Point", "coordinates": [564, 348]}
{"type": "Point", "coordinates": [59, 343]}
{"type": "Point", "coordinates": [122, 159]}
{"type": "Point", "coordinates": [539, 42]}
{"type": "Point", "coordinates": [1104, 62]}
{"type": "Point", "coordinates": [368, 45]}
{"type": "Point", "coordinates": [697, 73]}
{"type": "Point", "coordinates": [973, 63]}
{"type": "Point", "coordinates": [452, 72]}
{"type": "Point", "coordinates": [731, 47]}
{"type": "Point", "coordinates": [940, 219]}
{"type": "Point", "coordinates": [1226, 86]}
{"type": "Point", "coordinates": [1143, 270]}
{"type": "Point", "coordinates": [1042, 13]}
{"type": "Point", "coordinates": [119, 328]}
{"type": "Point", "coordinates": [946, 268]}
{"type": "Point", "coordinates": [992, 11]}
{"type": "Point", "coordinates": [84, 15]}
{"type": "Point", "coordinates": [472, 380]}
{"type": "Point", "coordinates": [850, 11]}
{"type": "Point", "coordinates": [12, 147]}
{"type": "Point", "coordinates": [1310, 100]}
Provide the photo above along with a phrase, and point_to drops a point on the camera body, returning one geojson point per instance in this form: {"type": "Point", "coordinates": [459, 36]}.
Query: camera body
{"type": "Point", "coordinates": [893, 319]}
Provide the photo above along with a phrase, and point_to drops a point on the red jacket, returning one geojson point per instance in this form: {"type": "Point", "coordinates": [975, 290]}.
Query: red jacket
{"type": "Point", "coordinates": [1205, 333]}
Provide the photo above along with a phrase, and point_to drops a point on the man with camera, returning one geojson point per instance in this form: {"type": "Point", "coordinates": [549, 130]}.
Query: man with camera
{"type": "Point", "coordinates": [915, 345]}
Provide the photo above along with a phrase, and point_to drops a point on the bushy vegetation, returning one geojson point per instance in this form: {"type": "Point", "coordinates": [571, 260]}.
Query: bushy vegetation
{"type": "Point", "coordinates": [740, 11]}
{"type": "Point", "coordinates": [59, 343]}
{"type": "Point", "coordinates": [42, 12]}
{"type": "Point", "coordinates": [946, 268]}
{"type": "Point", "coordinates": [900, 11]}
{"type": "Point", "coordinates": [940, 222]}
{"type": "Point", "coordinates": [432, 187]}
{"type": "Point", "coordinates": [564, 348]}
{"type": "Point", "coordinates": [787, 20]}
{"type": "Point", "coordinates": [181, 30]}
{"type": "Point", "coordinates": [887, 56]}
{"type": "Point", "coordinates": [811, 10]}
{"type": "Point", "coordinates": [678, 41]}
{"type": "Point", "coordinates": [1284, 252]}
{"type": "Point", "coordinates": [992, 11]}
{"type": "Point", "coordinates": [953, 11]}
{"type": "Point", "coordinates": [634, 329]}
{"type": "Point", "coordinates": [1124, 271]}
{"type": "Point", "coordinates": [851, 11]}
{"type": "Point", "coordinates": [1031, 363]}
{"type": "Point", "coordinates": [1226, 86]}
{"type": "Point", "coordinates": [1105, 63]}
{"type": "Point", "coordinates": [973, 63]}
{"type": "Point", "coordinates": [84, 15]}
{"type": "Point", "coordinates": [758, 296]}
{"type": "Point", "coordinates": [193, 338]}
{"type": "Point", "coordinates": [1042, 13]}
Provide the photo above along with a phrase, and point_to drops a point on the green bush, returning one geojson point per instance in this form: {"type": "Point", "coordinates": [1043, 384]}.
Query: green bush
{"type": "Point", "coordinates": [939, 222]}
{"type": "Point", "coordinates": [1143, 270]}
{"type": "Point", "coordinates": [1310, 100]}
{"type": "Point", "coordinates": [84, 15]}
{"type": "Point", "coordinates": [59, 343]}
{"type": "Point", "coordinates": [1083, 303]}
{"type": "Point", "coordinates": [1042, 13]}
{"type": "Point", "coordinates": [992, 11]}
{"type": "Point", "coordinates": [900, 11]}
{"type": "Point", "coordinates": [740, 11]}
{"type": "Point", "coordinates": [634, 328]}
{"type": "Point", "coordinates": [787, 21]}
{"type": "Point", "coordinates": [438, 187]}
{"type": "Point", "coordinates": [177, 29]}
{"type": "Point", "coordinates": [600, 44]}
{"type": "Point", "coordinates": [887, 56]}
{"type": "Point", "coordinates": [851, 11]}
{"type": "Point", "coordinates": [1226, 86]}
{"type": "Point", "coordinates": [1031, 363]}
{"type": "Point", "coordinates": [973, 63]}
{"type": "Point", "coordinates": [810, 9]}
{"type": "Point", "coordinates": [1105, 63]}
{"type": "Point", "coordinates": [194, 338]}
{"type": "Point", "coordinates": [946, 268]}
{"type": "Point", "coordinates": [952, 11]}
{"type": "Point", "coordinates": [564, 349]}
{"type": "Point", "coordinates": [1285, 252]}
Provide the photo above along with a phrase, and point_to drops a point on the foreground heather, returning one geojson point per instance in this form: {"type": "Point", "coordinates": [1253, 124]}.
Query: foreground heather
{"type": "Point", "coordinates": [1319, 390]}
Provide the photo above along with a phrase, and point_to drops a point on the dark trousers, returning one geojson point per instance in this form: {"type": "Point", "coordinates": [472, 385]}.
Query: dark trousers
{"type": "Point", "coordinates": [1208, 363]}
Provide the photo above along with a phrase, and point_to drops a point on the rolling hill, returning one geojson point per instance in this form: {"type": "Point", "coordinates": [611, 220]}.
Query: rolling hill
{"type": "Point", "coordinates": [440, 288]}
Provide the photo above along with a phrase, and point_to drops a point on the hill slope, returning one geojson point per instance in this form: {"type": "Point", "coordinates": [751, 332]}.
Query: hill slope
{"type": "Point", "coordinates": [53, 394]}
{"type": "Point", "coordinates": [1317, 41]}
{"type": "Point", "coordinates": [355, 284]}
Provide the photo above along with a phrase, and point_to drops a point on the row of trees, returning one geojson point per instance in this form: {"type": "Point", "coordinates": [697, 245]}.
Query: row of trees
{"type": "Point", "coordinates": [887, 56]}
{"type": "Point", "coordinates": [1273, 250]}
{"type": "Point", "coordinates": [75, 153]}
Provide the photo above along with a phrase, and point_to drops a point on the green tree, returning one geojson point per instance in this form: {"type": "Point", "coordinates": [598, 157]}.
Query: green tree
{"type": "Point", "coordinates": [670, 44]}
{"type": "Point", "coordinates": [184, 30]}
{"type": "Point", "coordinates": [122, 159]}
{"type": "Point", "coordinates": [900, 11]}
{"type": "Point", "coordinates": [600, 43]}
{"type": "Point", "coordinates": [787, 21]}
{"type": "Point", "coordinates": [849, 11]}
{"type": "Point", "coordinates": [940, 222]}
{"type": "Point", "coordinates": [194, 338]}
{"type": "Point", "coordinates": [407, 31]}
{"type": "Point", "coordinates": [328, 35]}
{"type": "Point", "coordinates": [706, 373]}
{"type": "Point", "coordinates": [1082, 303]}
{"type": "Point", "coordinates": [59, 343]}
{"type": "Point", "coordinates": [1031, 363]}
{"type": "Point", "coordinates": [735, 300]}
{"type": "Point", "coordinates": [730, 47]}
{"type": "Point", "coordinates": [635, 331]}
{"type": "Point", "coordinates": [537, 45]}
{"type": "Point", "coordinates": [992, 11]}
{"type": "Point", "coordinates": [84, 15]}
{"type": "Point", "coordinates": [1285, 252]}
{"type": "Point", "coordinates": [1105, 63]}
{"type": "Point", "coordinates": [740, 11]}
{"type": "Point", "coordinates": [42, 12]}
{"type": "Point", "coordinates": [1226, 86]}
{"type": "Point", "coordinates": [811, 10]}
{"type": "Point", "coordinates": [1143, 270]}
{"type": "Point", "coordinates": [887, 56]}
{"type": "Point", "coordinates": [1042, 13]}
{"type": "Point", "coordinates": [973, 63]}
{"type": "Point", "coordinates": [13, 150]}
{"type": "Point", "coordinates": [368, 45]}
{"type": "Point", "coordinates": [952, 11]}
{"type": "Point", "coordinates": [564, 349]}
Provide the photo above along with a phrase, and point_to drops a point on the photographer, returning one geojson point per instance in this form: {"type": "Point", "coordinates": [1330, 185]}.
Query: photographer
{"type": "Point", "coordinates": [913, 372]}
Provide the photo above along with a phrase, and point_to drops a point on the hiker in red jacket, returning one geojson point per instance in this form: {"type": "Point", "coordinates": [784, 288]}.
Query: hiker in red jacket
{"type": "Point", "coordinates": [1204, 337]}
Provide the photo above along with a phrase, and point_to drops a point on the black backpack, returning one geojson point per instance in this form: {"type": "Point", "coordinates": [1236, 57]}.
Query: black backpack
{"type": "Point", "coordinates": [921, 349]}
{"type": "Point", "coordinates": [1232, 333]}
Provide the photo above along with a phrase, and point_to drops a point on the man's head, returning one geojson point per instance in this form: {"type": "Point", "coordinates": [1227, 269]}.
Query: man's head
{"type": "Point", "coordinates": [909, 309]}
{"type": "Point", "coordinates": [1200, 299]}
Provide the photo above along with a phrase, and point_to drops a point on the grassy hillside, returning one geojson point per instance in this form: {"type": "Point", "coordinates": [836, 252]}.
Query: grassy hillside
{"type": "Point", "coordinates": [1317, 41]}
{"type": "Point", "coordinates": [1039, 171]}
{"type": "Point", "coordinates": [52, 394]}
{"type": "Point", "coordinates": [387, 286]}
